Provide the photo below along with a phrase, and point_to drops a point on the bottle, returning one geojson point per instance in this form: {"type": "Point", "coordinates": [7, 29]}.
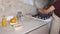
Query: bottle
{"type": "Point", "coordinates": [4, 21]}
{"type": "Point", "coordinates": [19, 16]}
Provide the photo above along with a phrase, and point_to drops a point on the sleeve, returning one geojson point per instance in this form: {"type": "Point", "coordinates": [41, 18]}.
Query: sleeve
{"type": "Point", "coordinates": [56, 4]}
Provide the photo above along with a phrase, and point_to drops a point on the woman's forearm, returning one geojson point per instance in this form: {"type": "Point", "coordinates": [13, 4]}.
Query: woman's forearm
{"type": "Point", "coordinates": [46, 11]}
{"type": "Point", "coordinates": [50, 9]}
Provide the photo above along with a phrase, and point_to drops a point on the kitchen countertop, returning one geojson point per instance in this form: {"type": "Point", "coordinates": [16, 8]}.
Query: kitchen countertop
{"type": "Point", "coordinates": [29, 24]}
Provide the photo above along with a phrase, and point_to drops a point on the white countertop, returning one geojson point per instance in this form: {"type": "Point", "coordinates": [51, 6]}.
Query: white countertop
{"type": "Point", "coordinates": [29, 24]}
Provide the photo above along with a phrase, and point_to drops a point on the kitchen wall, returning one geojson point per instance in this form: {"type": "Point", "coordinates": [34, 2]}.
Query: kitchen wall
{"type": "Point", "coordinates": [11, 7]}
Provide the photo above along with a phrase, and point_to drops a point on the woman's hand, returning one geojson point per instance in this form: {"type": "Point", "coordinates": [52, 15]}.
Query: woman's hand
{"type": "Point", "coordinates": [43, 11]}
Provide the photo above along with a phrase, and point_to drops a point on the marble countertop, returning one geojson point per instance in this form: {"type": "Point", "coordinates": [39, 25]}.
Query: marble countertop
{"type": "Point", "coordinates": [29, 24]}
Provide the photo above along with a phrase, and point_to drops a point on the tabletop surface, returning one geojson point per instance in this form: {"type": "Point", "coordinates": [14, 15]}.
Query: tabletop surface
{"type": "Point", "coordinates": [29, 24]}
